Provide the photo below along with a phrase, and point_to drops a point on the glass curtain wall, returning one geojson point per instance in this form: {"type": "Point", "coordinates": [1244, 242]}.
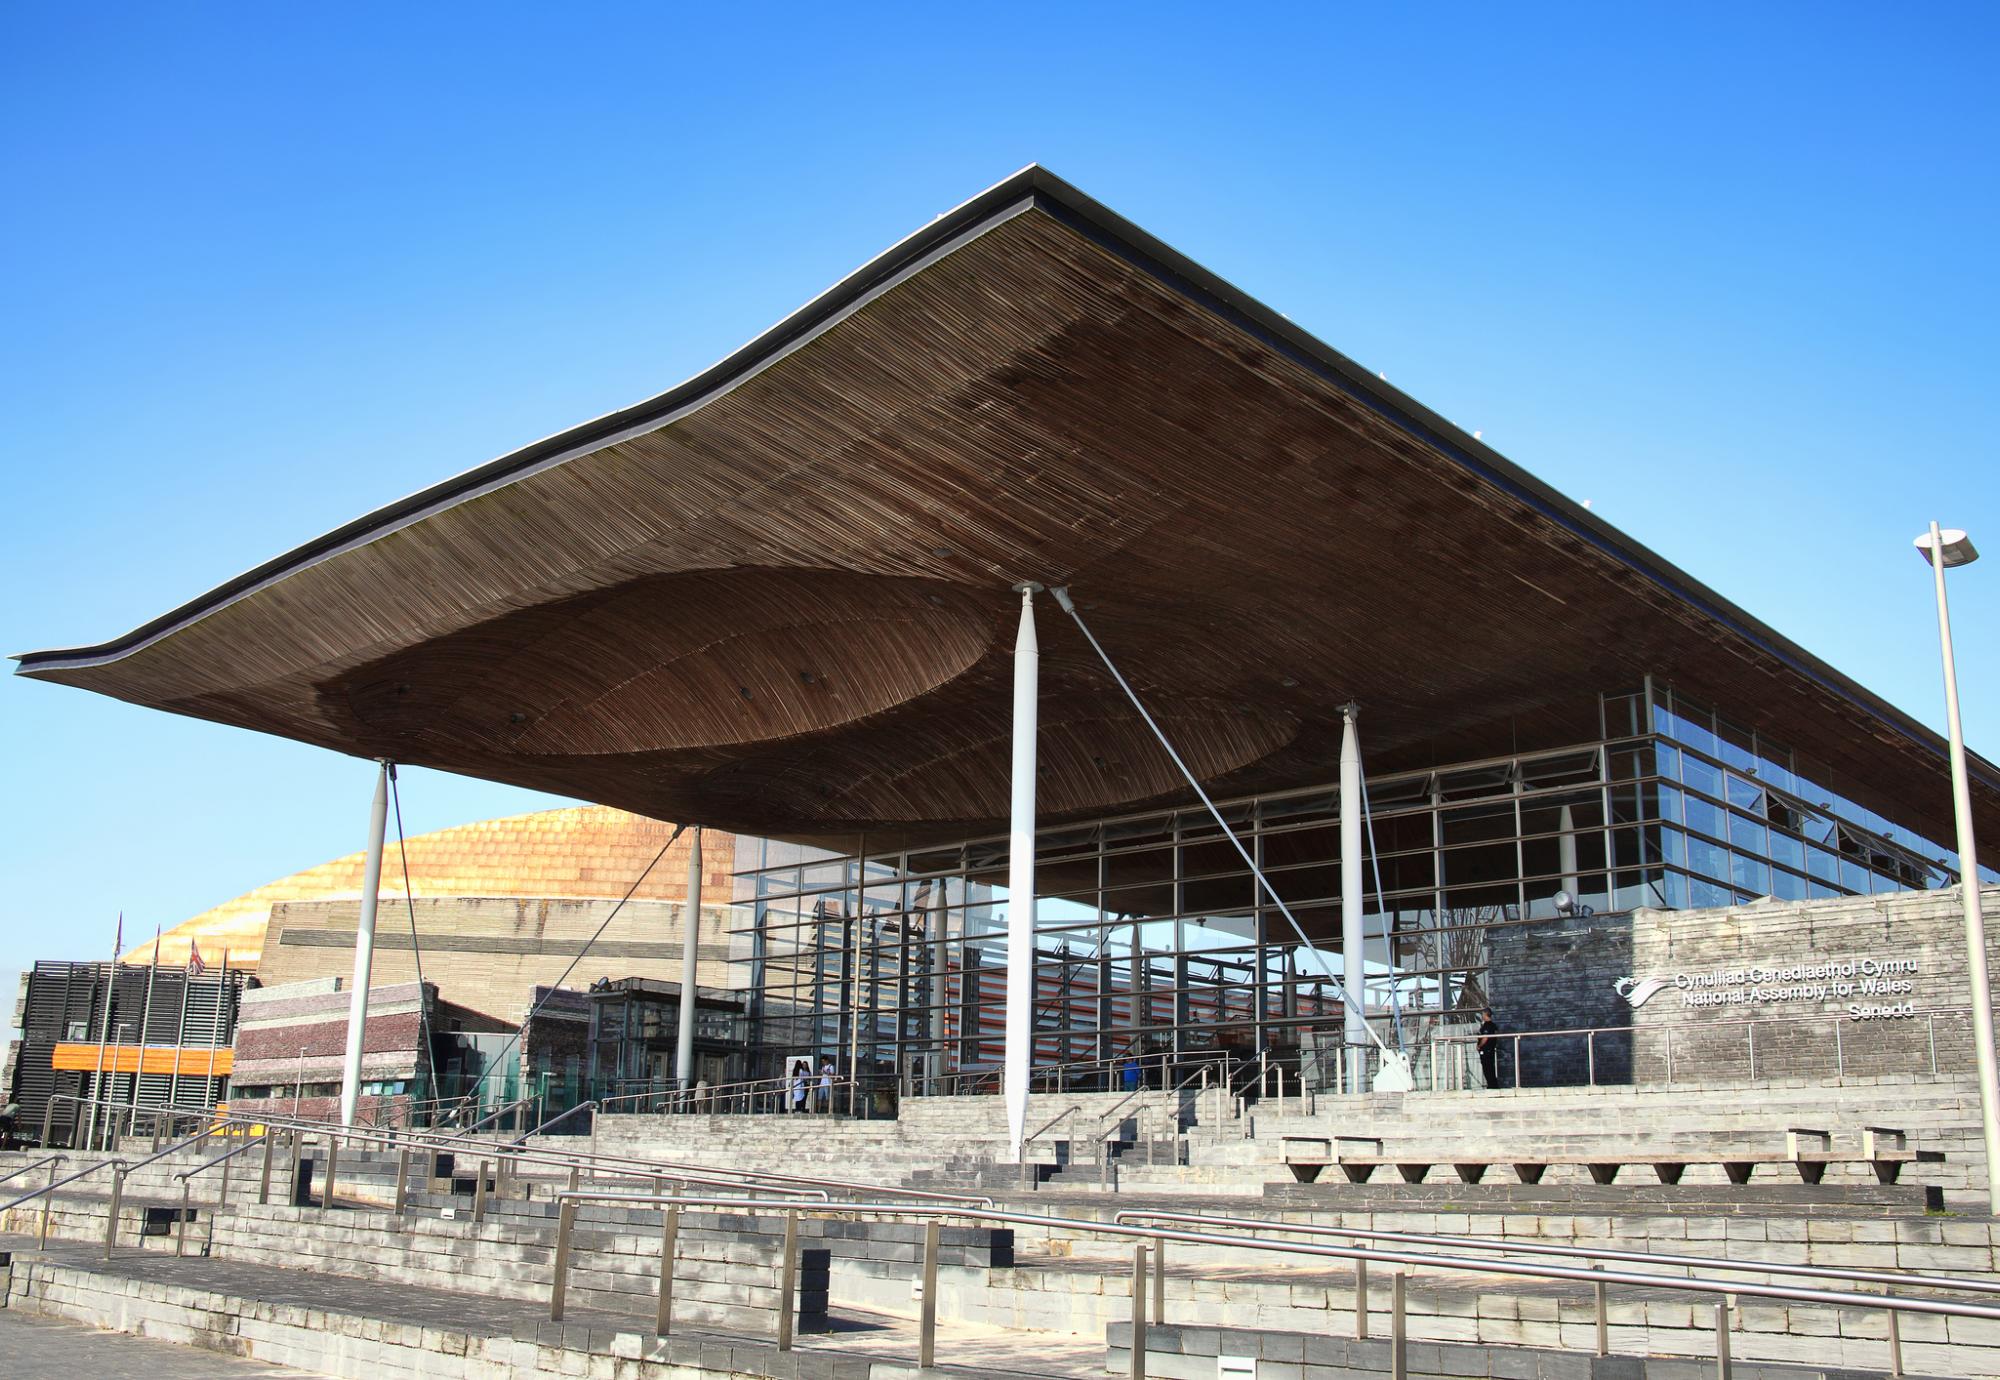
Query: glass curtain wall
{"type": "Point", "coordinates": [1154, 941]}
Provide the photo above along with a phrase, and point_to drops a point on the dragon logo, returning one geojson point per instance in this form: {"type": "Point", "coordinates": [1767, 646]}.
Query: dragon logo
{"type": "Point", "coordinates": [1636, 991]}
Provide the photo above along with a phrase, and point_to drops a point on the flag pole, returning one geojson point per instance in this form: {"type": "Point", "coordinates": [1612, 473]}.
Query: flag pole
{"type": "Point", "coordinates": [104, 1031]}
{"type": "Point", "coordinates": [180, 1027]}
{"type": "Point", "coordinates": [215, 1044]}
{"type": "Point", "coordinates": [146, 1015]}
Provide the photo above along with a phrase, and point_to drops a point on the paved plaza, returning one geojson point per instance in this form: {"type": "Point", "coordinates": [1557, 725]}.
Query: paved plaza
{"type": "Point", "coordinates": [35, 1346]}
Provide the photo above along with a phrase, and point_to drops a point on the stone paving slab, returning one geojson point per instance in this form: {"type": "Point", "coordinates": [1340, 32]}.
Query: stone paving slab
{"type": "Point", "coordinates": [35, 1347]}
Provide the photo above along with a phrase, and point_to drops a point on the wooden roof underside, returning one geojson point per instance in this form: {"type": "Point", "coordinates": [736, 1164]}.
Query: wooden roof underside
{"type": "Point", "coordinates": [779, 602]}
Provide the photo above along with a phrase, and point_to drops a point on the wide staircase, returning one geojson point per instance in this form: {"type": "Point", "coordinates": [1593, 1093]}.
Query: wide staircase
{"type": "Point", "coordinates": [442, 1257]}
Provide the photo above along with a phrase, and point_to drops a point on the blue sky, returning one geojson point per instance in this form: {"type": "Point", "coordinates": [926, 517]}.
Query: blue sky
{"type": "Point", "coordinates": [1725, 271]}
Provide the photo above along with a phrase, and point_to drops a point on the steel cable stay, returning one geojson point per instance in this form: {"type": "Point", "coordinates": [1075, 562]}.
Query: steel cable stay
{"type": "Point", "coordinates": [556, 986]}
{"type": "Point", "coordinates": [410, 902]}
{"type": "Point", "coordinates": [1400, 1061]}
{"type": "Point", "coordinates": [1388, 926]}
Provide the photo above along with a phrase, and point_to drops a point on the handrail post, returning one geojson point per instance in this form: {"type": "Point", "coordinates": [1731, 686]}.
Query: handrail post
{"type": "Point", "coordinates": [558, 1286]}
{"type": "Point", "coordinates": [1750, 1031]}
{"type": "Point", "coordinates": [49, 1123]}
{"type": "Point", "coordinates": [670, 1230]}
{"type": "Point", "coordinates": [181, 1236]}
{"type": "Point", "coordinates": [1160, 1281]}
{"type": "Point", "coordinates": [1895, 1344]}
{"type": "Point", "coordinates": [264, 1176]}
{"type": "Point", "coordinates": [1361, 1300]}
{"type": "Point", "coordinates": [48, 1202]}
{"type": "Point", "coordinates": [1603, 1316]}
{"type": "Point", "coordinates": [111, 1219]}
{"type": "Point", "coordinates": [1399, 1364]}
{"type": "Point", "coordinates": [1722, 1367]}
{"type": "Point", "coordinates": [326, 1190]}
{"type": "Point", "coordinates": [479, 1193]}
{"type": "Point", "coordinates": [788, 1281]}
{"type": "Point", "coordinates": [1590, 1063]}
{"type": "Point", "coordinates": [222, 1194]}
{"type": "Point", "coordinates": [927, 1319]}
{"type": "Point", "coordinates": [402, 1177]}
{"type": "Point", "coordinates": [1138, 1371]}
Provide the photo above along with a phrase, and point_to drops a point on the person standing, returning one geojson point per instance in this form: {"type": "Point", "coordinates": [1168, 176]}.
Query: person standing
{"type": "Point", "coordinates": [1489, 1049]}
{"type": "Point", "coordinates": [800, 1069]}
{"type": "Point", "coordinates": [826, 1084]}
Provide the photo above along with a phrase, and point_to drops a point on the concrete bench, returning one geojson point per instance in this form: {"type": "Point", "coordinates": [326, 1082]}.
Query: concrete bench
{"type": "Point", "coordinates": [1322, 1149]}
{"type": "Point", "coordinates": [1810, 1165]}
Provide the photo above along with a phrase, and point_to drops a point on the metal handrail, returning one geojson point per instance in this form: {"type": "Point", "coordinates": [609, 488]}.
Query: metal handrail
{"type": "Point", "coordinates": [82, 1099]}
{"type": "Point", "coordinates": [37, 1164]}
{"type": "Point", "coordinates": [53, 1185]}
{"type": "Point", "coordinates": [762, 1180]}
{"type": "Point", "coordinates": [722, 1092]}
{"type": "Point", "coordinates": [525, 1136]}
{"type": "Point", "coordinates": [1359, 1254]}
{"type": "Point", "coordinates": [561, 1159]}
{"type": "Point", "coordinates": [624, 1166]}
{"type": "Point", "coordinates": [1704, 1024]}
{"type": "Point", "coordinates": [1749, 1025]}
{"type": "Point", "coordinates": [1108, 1122]}
{"type": "Point", "coordinates": [493, 1115]}
{"type": "Point", "coordinates": [223, 1158]}
{"type": "Point", "coordinates": [1861, 1276]}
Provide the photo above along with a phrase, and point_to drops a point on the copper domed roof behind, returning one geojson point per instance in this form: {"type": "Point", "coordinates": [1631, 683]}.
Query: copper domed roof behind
{"type": "Point", "coordinates": [586, 852]}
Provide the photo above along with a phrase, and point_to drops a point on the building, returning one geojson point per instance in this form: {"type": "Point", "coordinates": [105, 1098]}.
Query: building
{"type": "Point", "coordinates": [417, 1052]}
{"type": "Point", "coordinates": [560, 863]}
{"type": "Point", "coordinates": [165, 1041]}
{"type": "Point", "coordinates": [1433, 698]}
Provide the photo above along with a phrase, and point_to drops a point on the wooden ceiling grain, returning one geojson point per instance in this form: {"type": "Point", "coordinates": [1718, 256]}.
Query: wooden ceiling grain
{"type": "Point", "coordinates": [781, 603]}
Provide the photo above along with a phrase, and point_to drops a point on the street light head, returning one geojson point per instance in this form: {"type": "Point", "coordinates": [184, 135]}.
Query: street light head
{"type": "Point", "coordinates": [1958, 548]}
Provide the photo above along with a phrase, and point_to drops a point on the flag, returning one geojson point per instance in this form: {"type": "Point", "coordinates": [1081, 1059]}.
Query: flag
{"type": "Point", "coordinates": [118, 940]}
{"type": "Point", "coordinates": [156, 946]}
{"type": "Point", "coordinates": [195, 966]}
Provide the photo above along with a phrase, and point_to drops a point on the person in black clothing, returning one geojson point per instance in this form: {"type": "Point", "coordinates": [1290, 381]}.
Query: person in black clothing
{"type": "Point", "coordinates": [1489, 1049]}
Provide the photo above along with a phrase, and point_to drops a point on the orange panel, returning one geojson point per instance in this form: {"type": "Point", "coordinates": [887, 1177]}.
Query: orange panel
{"type": "Point", "coordinates": [195, 1063]}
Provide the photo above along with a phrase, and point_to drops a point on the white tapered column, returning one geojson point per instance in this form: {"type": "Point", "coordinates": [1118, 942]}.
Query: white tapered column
{"type": "Point", "coordinates": [1572, 882]}
{"type": "Point", "coordinates": [690, 963]}
{"type": "Point", "coordinates": [1353, 932]}
{"type": "Point", "coordinates": [1021, 879]}
{"type": "Point", "coordinates": [364, 950]}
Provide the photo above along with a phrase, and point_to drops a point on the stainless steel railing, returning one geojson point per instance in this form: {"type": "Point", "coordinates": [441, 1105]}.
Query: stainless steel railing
{"type": "Point", "coordinates": [1449, 1068]}
{"type": "Point", "coordinates": [1156, 1239]}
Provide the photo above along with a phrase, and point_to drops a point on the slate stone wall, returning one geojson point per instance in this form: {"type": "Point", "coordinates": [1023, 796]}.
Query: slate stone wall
{"type": "Point", "coordinates": [1562, 974]}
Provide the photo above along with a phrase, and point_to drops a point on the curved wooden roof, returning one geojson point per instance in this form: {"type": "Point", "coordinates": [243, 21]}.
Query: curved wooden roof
{"type": "Point", "coordinates": [776, 598]}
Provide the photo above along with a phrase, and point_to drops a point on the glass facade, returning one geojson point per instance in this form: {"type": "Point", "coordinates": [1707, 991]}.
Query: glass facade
{"type": "Point", "coordinates": [1154, 939]}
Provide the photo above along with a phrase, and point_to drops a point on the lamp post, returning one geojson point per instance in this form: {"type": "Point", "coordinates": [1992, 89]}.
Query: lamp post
{"type": "Point", "coordinates": [1943, 549]}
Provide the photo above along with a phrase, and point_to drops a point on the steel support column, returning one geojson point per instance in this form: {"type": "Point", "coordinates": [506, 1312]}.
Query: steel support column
{"type": "Point", "coordinates": [1021, 879]}
{"type": "Point", "coordinates": [364, 950]}
{"type": "Point", "coordinates": [1353, 929]}
{"type": "Point", "coordinates": [690, 962]}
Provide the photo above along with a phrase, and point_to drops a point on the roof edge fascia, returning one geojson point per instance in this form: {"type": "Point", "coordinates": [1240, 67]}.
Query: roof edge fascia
{"type": "Point", "coordinates": [1033, 187]}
